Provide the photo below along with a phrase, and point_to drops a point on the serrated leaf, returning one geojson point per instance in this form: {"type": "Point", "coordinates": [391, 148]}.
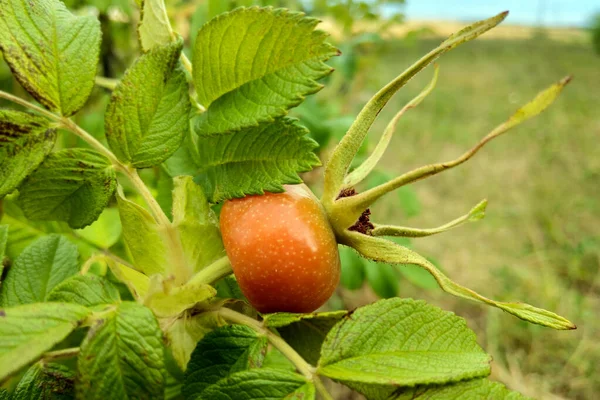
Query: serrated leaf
{"type": "Point", "coordinates": [305, 332]}
{"type": "Point", "coordinates": [88, 290]}
{"type": "Point", "coordinates": [51, 52]}
{"type": "Point", "coordinates": [260, 384]}
{"type": "Point", "coordinates": [383, 279]}
{"type": "Point", "coordinates": [475, 389]}
{"type": "Point", "coordinates": [186, 160]}
{"type": "Point", "coordinates": [147, 116]}
{"type": "Point", "coordinates": [29, 330]}
{"type": "Point", "coordinates": [186, 332]}
{"type": "Point", "coordinates": [25, 141]}
{"type": "Point", "coordinates": [221, 353]}
{"type": "Point", "coordinates": [420, 344]}
{"type": "Point", "coordinates": [379, 249]}
{"type": "Point", "coordinates": [47, 381]}
{"type": "Point", "coordinates": [44, 264]}
{"type": "Point", "coordinates": [154, 29]}
{"type": "Point", "coordinates": [5, 395]}
{"type": "Point", "coordinates": [259, 60]}
{"type": "Point", "coordinates": [255, 160]}
{"type": "Point", "coordinates": [105, 231]}
{"type": "Point", "coordinates": [143, 237]}
{"type": "Point", "coordinates": [122, 357]}
{"type": "Point", "coordinates": [353, 268]}
{"type": "Point", "coordinates": [72, 185]}
{"type": "Point", "coordinates": [197, 224]}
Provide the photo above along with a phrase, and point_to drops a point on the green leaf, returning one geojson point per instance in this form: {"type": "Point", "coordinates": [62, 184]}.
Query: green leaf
{"type": "Point", "coordinates": [137, 283]}
{"type": "Point", "coordinates": [154, 29]}
{"type": "Point", "coordinates": [143, 237]}
{"type": "Point", "coordinates": [305, 332]}
{"type": "Point", "coordinates": [147, 116]}
{"type": "Point", "coordinates": [260, 384]}
{"type": "Point", "coordinates": [21, 231]}
{"type": "Point", "coordinates": [5, 395]}
{"type": "Point", "coordinates": [383, 279]}
{"type": "Point", "coordinates": [402, 342]}
{"type": "Point", "coordinates": [197, 224]}
{"type": "Point", "coordinates": [25, 141]}
{"type": "Point", "coordinates": [51, 52]}
{"type": "Point", "coordinates": [475, 389]}
{"type": "Point", "coordinates": [259, 60]}
{"type": "Point", "coordinates": [186, 160]}
{"type": "Point", "coordinates": [122, 356]}
{"type": "Point", "coordinates": [221, 353]}
{"type": "Point", "coordinates": [382, 250]}
{"type": "Point", "coordinates": [255, 160]}
{"type": "Point", "coordinates": [228, 288]}
{"type": "Point", "coordinates": [353, 268]}
{"type": "Point", "coordinates": [186, 332]}
{"type": "Point", "coordinates": [44, 264]}
{"type": "Point", "coordinates": [105, 232]}
{"type": "Point", "coordinates": [46, 382]}
{"type": "Point", "coordinates": [88, 290]}
{"type": "Point", "coordinates": [471, 390]}
{"type": "Point", "coordinates": [72, 185]}
{"type": "Point", "coordinates": [29, 330]}
{"type": "Point", "coordinates": [175, 301]}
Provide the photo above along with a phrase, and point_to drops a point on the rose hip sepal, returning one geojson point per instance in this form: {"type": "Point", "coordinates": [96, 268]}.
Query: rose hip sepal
{"type": "Point", "coordinates": [282, 250]}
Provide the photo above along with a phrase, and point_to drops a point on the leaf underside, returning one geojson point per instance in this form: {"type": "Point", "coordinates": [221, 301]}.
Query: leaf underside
{"type": "Point", "coordinates": [72, 185]}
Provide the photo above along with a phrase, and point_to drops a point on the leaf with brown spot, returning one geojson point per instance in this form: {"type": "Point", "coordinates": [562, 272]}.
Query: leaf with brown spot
{"type": "Point", "coordinates": [25, 141]}
{"type": "Point", "coordinates": [52, 53]}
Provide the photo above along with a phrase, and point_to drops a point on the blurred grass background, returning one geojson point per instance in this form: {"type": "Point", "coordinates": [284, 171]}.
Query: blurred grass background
{"type": "Point", "coordinates": [539, 242]}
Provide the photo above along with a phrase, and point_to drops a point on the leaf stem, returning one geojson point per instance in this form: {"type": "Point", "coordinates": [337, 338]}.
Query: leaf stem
{"type": "Point", "coordinates": [60, 354]}
{"type": "Point", "coordinates": [213, 272]}
{"type": "Point", "coordinates": [301, 365]}
{"type": "Point", "coordinates": [107, 83]}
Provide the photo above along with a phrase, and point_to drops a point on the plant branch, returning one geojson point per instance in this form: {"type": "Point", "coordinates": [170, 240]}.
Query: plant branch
{"type": "Point", "coordinates": [60, 354]}
{"type": "Point", "coordinates": [301, 365]}
{"type": "Point", "coordinates": [213, 272]}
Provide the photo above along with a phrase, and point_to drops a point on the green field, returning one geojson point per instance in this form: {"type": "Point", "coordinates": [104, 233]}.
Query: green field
{"type": "Point", "coordinates": [540, 241]}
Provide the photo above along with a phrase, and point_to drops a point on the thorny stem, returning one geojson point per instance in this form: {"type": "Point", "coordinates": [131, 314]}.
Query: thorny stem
{"type": "Point", "coordinates": [301, 365]}
{"type": "Point", "coordinates": [59, 354]}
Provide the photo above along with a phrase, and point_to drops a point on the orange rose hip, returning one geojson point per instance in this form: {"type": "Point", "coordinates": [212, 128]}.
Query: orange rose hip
{"type": "Point", "coordinates": [282, 250]}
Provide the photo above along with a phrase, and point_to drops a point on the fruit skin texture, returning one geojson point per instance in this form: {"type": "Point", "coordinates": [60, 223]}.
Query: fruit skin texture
{"type": "Point", "coordinates": [282, 250]}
